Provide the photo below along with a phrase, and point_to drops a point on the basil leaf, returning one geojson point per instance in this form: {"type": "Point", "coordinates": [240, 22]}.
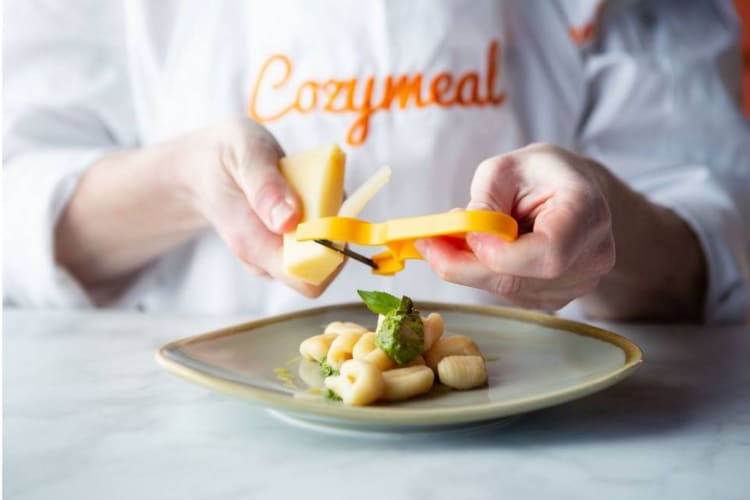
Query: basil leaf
{"type": "Point", "coordinates": [379, 302]}
{"type": "Point", "coordinates": [406, 306]}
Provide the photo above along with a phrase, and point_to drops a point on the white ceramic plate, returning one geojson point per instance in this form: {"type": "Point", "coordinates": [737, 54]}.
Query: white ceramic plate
{"type": "Point", "coordinates": [535, 361]}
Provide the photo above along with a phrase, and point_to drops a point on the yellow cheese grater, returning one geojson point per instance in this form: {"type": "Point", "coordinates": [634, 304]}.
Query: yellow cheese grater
{"type": "Point", "coordinates": [398, 235]}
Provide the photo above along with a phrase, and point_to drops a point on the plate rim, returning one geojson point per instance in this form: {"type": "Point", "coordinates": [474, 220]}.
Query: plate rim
{"type": "Point", "coordinates": [394, 415]}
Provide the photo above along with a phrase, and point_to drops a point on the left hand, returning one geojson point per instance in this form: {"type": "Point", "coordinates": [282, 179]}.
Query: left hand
{"type": "Point", "coordinates": [566, 241]}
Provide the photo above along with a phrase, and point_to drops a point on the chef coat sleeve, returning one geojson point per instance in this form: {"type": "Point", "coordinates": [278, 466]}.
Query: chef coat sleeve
{"type": "Point", "coordinates": [66, 105]}
{"type": "Point", "coordinates": [663, 112]}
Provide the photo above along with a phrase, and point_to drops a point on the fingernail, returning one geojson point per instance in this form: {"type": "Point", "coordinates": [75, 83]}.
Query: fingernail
{"type": "Point", "coordinates": [280, 214]}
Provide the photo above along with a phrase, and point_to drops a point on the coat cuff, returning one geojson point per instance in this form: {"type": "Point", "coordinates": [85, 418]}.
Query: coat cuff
{"type": "Point", "coordinates": [36, 189]}
{"type": "Point", "coordinates": [711, 213]}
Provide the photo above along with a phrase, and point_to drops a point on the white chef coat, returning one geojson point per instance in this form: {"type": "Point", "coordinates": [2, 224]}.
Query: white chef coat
{"type": "Point", "coordinates": [650, 89]}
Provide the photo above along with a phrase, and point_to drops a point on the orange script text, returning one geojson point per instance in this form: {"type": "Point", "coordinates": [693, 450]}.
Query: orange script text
{"type": "Point", "coordinates": [364, 97]}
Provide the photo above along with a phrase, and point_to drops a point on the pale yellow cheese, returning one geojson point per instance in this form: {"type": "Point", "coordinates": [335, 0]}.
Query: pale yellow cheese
{"type": "Point", "coordinates": [317, 176]}
{"type": "Point", "coordinates": [309, 261]}
{"type": "Point", "coordinates": [355, 203]}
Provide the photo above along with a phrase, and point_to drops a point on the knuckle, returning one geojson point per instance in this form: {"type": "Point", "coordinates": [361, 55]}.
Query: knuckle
{"type": "Point", "coordinates": [444, 271]}
{"type": "Point", "coordinates": [506, 286]}
{"type": "Point", "coordinates": [497, 166]}
{"type": "Point", "coordinates": [487, 178]}
{"type": "Point", "coordinates": [503, 165]}
{"type": "Point", "coordinates": [487, 165]}
{"type": "Point", "coordinates": [554, 265]}
{"type": "Point", "coordinates": [266, 193]}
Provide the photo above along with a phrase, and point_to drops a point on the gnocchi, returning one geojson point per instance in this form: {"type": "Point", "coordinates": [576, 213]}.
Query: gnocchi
{"type": "Point", "coordinates": [450, 346]}
{"type": "Point", "coordinates": [342, 348]}
{"type": "Point", "coordinates": [360, 383]}
{"type": "Point", "coordinates": [360, 372]}
{"type": "Point", "coordinates": [365, 349]}
{"type": "Point", "coordinates": [462, 372]}
{"type": "Point", "coordinates": [433, 329]}
{"type": "Point", "coordinates": [405, 383]}
{"type": "Point", "coordinates": [340, 327]}
{"type": "Point", "coordinates": [315, 348]}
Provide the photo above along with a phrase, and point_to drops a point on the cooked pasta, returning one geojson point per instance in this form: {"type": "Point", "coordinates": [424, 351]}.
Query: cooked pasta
{"type": "Point", "coordinates": [341, 348]}
{"type": "Point", "coordinates": [339, 327]}
{"type": "Point", "coordinates": [418, 361]}
{"type": "Point", "coordinates": [315, 348]}
{"type": "Point", "coordinates": [380, 359]}
{"type": "Point", "coordinates": [365, 349]}
{"type": "Point", "coordinates": [360, 383]}
{"type": "Point", "coordinates": [405, 383]}
{"type": "Point", "coordinates": [433, 329]}
{"type": "Point", "coordinates": [449, 346]}
{"type": "Point", "coordinates": [358, 367]}
{"type": "Point", "coordinates": [462, 372]}
{"type": "Point", "coordinates": [364, 345]}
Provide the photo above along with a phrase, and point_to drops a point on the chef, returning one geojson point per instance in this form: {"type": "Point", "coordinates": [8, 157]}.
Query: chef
{"type": "Point", "coordinates": [142, 138]}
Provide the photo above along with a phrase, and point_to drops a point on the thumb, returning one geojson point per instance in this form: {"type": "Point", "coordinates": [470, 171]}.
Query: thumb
{"type": "Point", "coordinates": [494, 185]}
{"type": "Point", "coordinates": [269, 194]}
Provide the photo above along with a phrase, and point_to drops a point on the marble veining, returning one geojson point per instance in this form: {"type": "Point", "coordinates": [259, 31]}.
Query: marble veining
{"type": "Point", "coordinates": [88, 414]}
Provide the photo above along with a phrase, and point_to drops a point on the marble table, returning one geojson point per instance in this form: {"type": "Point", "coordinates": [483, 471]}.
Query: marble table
{"type": "Point", "coordinates": [88, 414]}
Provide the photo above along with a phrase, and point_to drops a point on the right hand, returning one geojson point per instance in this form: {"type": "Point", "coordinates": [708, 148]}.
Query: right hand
{"type": "Point", "coordinates": [231, 180]}
{"type": "Point", "coordinates": [566, 243]}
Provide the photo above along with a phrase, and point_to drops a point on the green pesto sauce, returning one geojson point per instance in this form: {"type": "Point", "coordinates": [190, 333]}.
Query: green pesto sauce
{"type": "Point", "coordinates": [326, 369]}
{"type": "Point", "coordinates": [329, 394]}
{"type": "Point", "coordinates": [401, 334]}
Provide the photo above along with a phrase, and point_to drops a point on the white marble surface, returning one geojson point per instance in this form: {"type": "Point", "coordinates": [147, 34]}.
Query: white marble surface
{"type": "Point", "coordinates": [88, 414]}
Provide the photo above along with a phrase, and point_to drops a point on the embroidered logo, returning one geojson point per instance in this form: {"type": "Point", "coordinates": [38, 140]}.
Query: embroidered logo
{"type": "Point", "coordinates": [363, 97]}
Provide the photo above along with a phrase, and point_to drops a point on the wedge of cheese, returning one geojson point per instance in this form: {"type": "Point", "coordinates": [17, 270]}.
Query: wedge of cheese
{"type": "Point", "coordinates": [356, 202]}
{"type": "Point", "coordinates": [317, 176]}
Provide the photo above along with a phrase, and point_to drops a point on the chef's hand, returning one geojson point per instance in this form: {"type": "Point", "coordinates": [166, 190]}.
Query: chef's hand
{"type": "Point", "coordinates": [236, 186]}
{"type": "Point", "coordinates": [571, 212]}
{"type": "Point", "coordinates": [133, 206]}
{"type": "Point", "coordinates": [565, 242]}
